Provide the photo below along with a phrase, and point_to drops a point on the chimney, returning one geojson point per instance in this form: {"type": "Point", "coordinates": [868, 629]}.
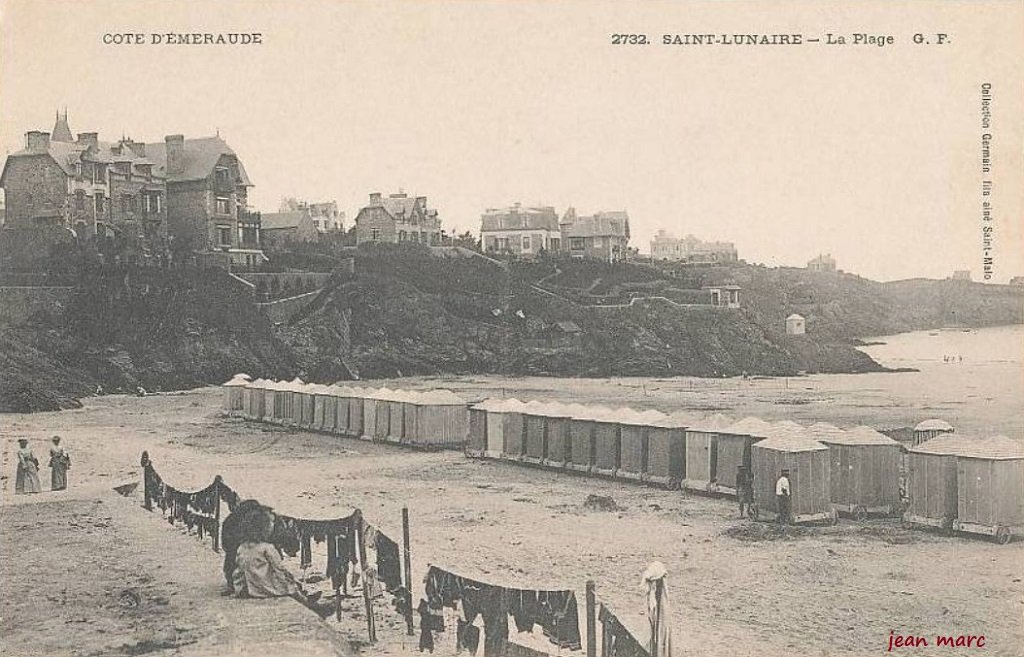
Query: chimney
{"type": "Point", "coordinates": [375, 199]}
{"type": "Point", "coordinates": [175, 153]}
{"type": "Point", "coordinates": [89, 139]}
{"type": "Point", "coordinates": [421, 201]}
{"type": "Point", "coordinates": [37, 140]}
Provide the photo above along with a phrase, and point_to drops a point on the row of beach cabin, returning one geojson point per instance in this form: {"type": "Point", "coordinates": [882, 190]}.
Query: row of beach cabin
{"type": "Point", "coordinates": [973, 485]}
{"type": "Point", "coordinates": [434, 419]}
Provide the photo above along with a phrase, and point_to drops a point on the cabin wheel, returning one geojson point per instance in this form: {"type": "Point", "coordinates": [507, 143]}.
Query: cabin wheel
{"type": "Point", "coordinates": [860, 514]}
{"type": "Point", "coordinates": [1003, 535]}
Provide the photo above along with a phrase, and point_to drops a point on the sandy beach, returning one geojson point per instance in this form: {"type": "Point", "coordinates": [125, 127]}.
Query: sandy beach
{"type": "Point", "coordinates": [738, 588]}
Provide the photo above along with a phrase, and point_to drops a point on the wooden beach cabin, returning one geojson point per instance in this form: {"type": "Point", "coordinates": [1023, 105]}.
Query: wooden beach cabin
{"type": "Point", "coordinates": [506, 427]}
{"type": "Point", "coordinates": [557, 452]}
{"type": "Point", "coordinates": [702, 452]}
{"type": "Point", "coordinates": [369, 402]}
{"type": "Point", "coordinates": [864, 470]}
{"type": "Point", "coordinates": [582, 448]}
{"type": "Point", "coordinates": [234, 394]}
{"type": "Point", "coordinates": [296, 389]}
{"type": "Point", "coordinates": [990, 489]}
{"type": "Point", "coordinates": [436, 419]}
{"type": "Point", "coordinates": [476, 441]}
{"type": "Point", "coordinates": [254, 396]}
{"type": "Point", "coordinates": [276, 401]}
{"type": "Point", "coordinates": [733, 450]}
{"type": "Point", "coordinates": [808, 463]}
{"type": "Point", "coordinates": [931, 481]}
{"type": "Point", "coordinates": [307, 409]}
{"type": "Point", "coordinates": [535, 419]}
{"type": "Point", "coordinates": [327, 408]}
{"type": "Point", "coordinates": [396, 403]}
{"type": "Point", "coordinates": [929, 429]}
{"type": "Point", "coordinates": [607, 441]}
{"type": "Point", "coordinates": [634, 436]}
{"type": "Point", "coordinates": [319, 394]}
{"type": "Point", "coordinates": [666, 449]}
{"type": "Point", "coordinates": [350, 413]}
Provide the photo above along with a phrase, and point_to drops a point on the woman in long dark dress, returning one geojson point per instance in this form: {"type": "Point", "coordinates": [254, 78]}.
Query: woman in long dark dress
{"type": "Point", "coordinates": [27, 477]}
{"type": "Point", "coordinates": [60, 463]}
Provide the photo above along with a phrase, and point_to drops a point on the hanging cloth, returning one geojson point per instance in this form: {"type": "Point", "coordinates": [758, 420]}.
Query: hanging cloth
{"type": "Point", "coordinates": [658, 613]}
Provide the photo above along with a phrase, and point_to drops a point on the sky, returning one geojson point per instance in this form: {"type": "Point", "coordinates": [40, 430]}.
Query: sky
{"type": "Point", "coordinates": [871, 154]}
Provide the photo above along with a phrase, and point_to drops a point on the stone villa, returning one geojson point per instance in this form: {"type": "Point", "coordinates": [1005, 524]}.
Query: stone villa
{"type": "Point", "coordinates": [183, 200]}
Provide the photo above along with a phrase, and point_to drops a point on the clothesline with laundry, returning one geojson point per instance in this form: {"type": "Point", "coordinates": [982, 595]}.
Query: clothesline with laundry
{"type": "Point", "coordinates": [469, 602]}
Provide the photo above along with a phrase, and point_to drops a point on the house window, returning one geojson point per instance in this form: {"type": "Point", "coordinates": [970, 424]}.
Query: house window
{"type": "Point", "coordinates": [152, 203]}
{"type": "Point", "coordinates": [99, 172]}
{"type": "Point", "coordinates": [224, 235]}
{"type": "Point", "coordinates": [526, 242]}
{"type": "Point", "coordinates": [127, 204]}
{"type": "Point", "coordinates": [80, 201]}
{"type": "Point", "coordinates": [375, 234]}
{"type": "Point", "coordinates": [401, 236]}
{"type": "Point", "coordinates": [99, 198]}
{"type": "Point", "coordinates": [577, 243]}
{"type": "Point", "coordinates": [555, 242]}
{"type": "Point", "coordinates": [223, 205]}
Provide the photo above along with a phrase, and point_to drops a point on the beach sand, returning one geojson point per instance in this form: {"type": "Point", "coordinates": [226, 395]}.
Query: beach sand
{"type": "Point", "coordinates": [738, 588]}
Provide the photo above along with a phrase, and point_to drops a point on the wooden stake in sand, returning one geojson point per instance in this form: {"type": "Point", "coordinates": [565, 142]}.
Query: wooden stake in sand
{"type": "Point", "coordinates": [408, 569]}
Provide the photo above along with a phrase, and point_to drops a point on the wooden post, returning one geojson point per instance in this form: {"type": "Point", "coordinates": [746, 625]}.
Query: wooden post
{"type": "Point", "coordinates": [337, 589]}
{"type": "Point", "coordinates": [361, 547]}
{"type": "Point", "coordinates": [408, 568]}
{"type": "Point", "coordinates": [147, 495]}
{"type": "Point", "coordinates": [591, 619]}
{"type": "Point", "coordinates": [218, 480]}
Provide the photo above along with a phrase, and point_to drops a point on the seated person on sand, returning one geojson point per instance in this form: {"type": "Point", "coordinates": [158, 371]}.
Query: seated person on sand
{"type": "Point", "coordinates": [260, 573]}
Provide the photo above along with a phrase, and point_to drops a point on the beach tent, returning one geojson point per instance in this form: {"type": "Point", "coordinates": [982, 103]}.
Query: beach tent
{"type": "Point", "coordinates": [234, 392]}
{"type": "Point", "coordinates": [438, 418]}
{"type": "Point", "coordinates": [582, 448]}
{"type": "Point", "coordinates": [864, 469]}
{"type": "Point", "coordinates": [734, 443]}
{"type": "Point", "coordinates": [931, 480]}
{"type": "Point", "coordinates": [990, 488]}
{"type": "Point", "coordinates": [534, 417]}
{"type": "Point", "coordinates": [506, 428]}
{"type": "Point", "coordinates": [558, 450]}
{"type": "Point", "coordinates": [929, 429]}
{"type": "Point", "coordinates": [702, 451]}
{"type": "Point", "coordinates": [608, 440]}
{"type": "Point", "coordinates": [808, 463]}
{"type": "Point", "coordinates": [666, 449]}
{"type": "Point", "coordinates": [634, 442]}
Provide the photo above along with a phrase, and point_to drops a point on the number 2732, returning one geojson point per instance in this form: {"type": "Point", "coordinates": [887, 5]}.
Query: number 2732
{"type": "Point", "coordinates": [629, 39]}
